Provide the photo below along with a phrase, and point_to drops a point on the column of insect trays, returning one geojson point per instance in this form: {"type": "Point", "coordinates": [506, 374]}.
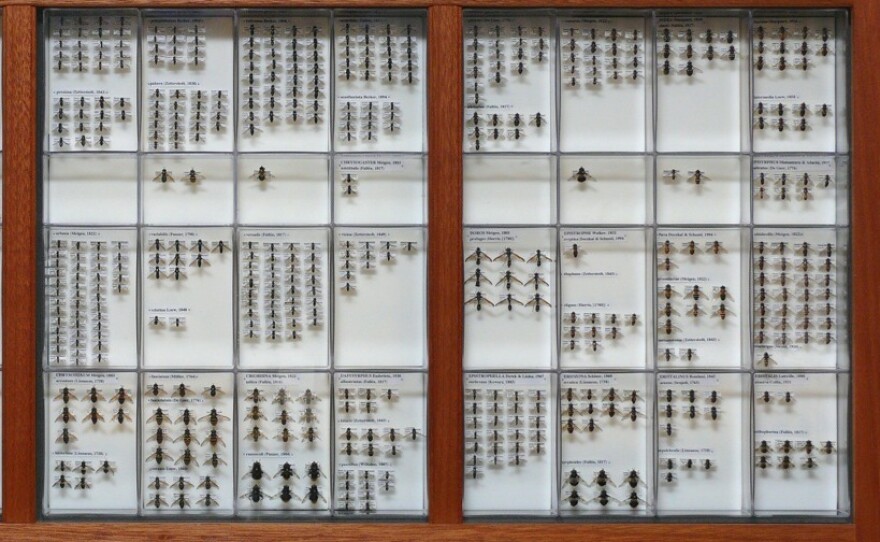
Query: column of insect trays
{"type": "Point", "coordinates": [618, 360]}
{"type": "Point", "coordinates": [234, 263]}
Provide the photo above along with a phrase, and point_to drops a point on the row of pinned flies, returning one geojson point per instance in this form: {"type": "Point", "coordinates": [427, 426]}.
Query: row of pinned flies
{"type": "Point", "coordinates": [508, 278]}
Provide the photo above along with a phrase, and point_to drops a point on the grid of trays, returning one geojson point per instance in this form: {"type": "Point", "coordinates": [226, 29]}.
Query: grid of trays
{"type": "Point", "coordinates": [655, 243]}
{"type": "Point", "coordinates": [235, 263]}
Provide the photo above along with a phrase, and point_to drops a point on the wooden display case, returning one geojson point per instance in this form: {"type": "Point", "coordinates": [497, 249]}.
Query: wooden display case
{"type": "Point", "coordinates": [22, 313]}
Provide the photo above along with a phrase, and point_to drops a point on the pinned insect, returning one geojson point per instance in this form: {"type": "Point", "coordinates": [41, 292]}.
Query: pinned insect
{"type": "Point", "coordinates": [66, 437]}
{"type": "Point", "coordinates": [672, 175]}
{"type": "Point", "coordinates": [192, 176]}
{"type": "Point", "coordinates": [214, 417]}
{"type": "Point", "coordinates": [477, 256]}
{"type": "Point", "coordinates": [163, 176]}
{"type": "Point", "coordinates": [582, 175]}
{"type": "Point", "coordinates": [697, 176]}
{"type": "Point", "coordinates": [508, 256]}
{"type": "Point", "coordinates": [65, 395]}
{"type": "Point", "coordinates": [349, 184]}
{"type": "Point", "coordinates": [479, 300]}
{"type": "Point", "coordinates": [536, 301]}
{"type": "Point", "coordinates": [213, 391]}
{"type": "Point", "coordinates": [574, 250]}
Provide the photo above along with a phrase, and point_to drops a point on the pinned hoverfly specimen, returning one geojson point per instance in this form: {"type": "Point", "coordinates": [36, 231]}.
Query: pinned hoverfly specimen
{"type": "Point", "coordinates": [121, 396]}
{"type": "Point", "coordinates": [508, 256]}
{"type": "Point", "coordinates": [192, 177]}
{"type": "Point", "coordinates": [697, 176]}
{"type": "Point", "coordinates": [66, 437]}
{"type": "Point", "coordinates": [575, 250]}
{"type": "Point", "coordinates": [262, 174]}
{"type": "Point", "coordinates": [163, 176]}
{"type": "Point", "coordinates": [155, 390]}
{"type": "Point", "coordinates": [159, 416]}
{"type": "Point", "coordinates": [213, 391]}
{"type": "Point", "coordinates": [349, 184]}
{"type": "Point", "coordinates": [214, 417]}
{"type": "Point", "coordinates": [539, 257]}
{"type": "Point", "coordinates": [477, 256]}
{"type": "Point", "coordinates": [479, 301]}
{"type": "Point", "coordinates": [672, 175]}
{"type": "Point", "coordinates": [65, 395]}
{"type": "Point", "coordinates": [536, 301]}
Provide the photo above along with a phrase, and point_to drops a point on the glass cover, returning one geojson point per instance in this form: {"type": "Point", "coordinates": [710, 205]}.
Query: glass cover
{"type": "Point", "coordinates": [235, 263]}
{"type": "Point", "coordinates": [655, 263]}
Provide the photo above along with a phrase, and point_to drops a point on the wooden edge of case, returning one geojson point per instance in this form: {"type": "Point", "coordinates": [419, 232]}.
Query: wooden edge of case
{"type": "Point", "coordinates": [445, 482]}
{"type": "Point", "coordinates": [393, 532]}
{"type": "Point", "coordinates": [20, 242]}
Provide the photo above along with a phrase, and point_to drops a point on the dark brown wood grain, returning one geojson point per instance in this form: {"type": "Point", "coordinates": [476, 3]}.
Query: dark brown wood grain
{"type": "Point", "coordinates": [445, 289]}
{"type": "Point", "coordinates": [652, 4]}
{"type": "Point", "coordinates": [641, 4]}
{"type": "Point", "coordinates": [20, 235]}
{"type": "Point", "coordinates": [359, 532]}
{"type": "Point", "coordinates": [865, 268]}
{"type": "Point", "coordinates": [214, 4]}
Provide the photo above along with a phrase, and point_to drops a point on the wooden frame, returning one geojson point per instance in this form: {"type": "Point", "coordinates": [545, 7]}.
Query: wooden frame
{"type": "Point", "coordinates": [21, 313]}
